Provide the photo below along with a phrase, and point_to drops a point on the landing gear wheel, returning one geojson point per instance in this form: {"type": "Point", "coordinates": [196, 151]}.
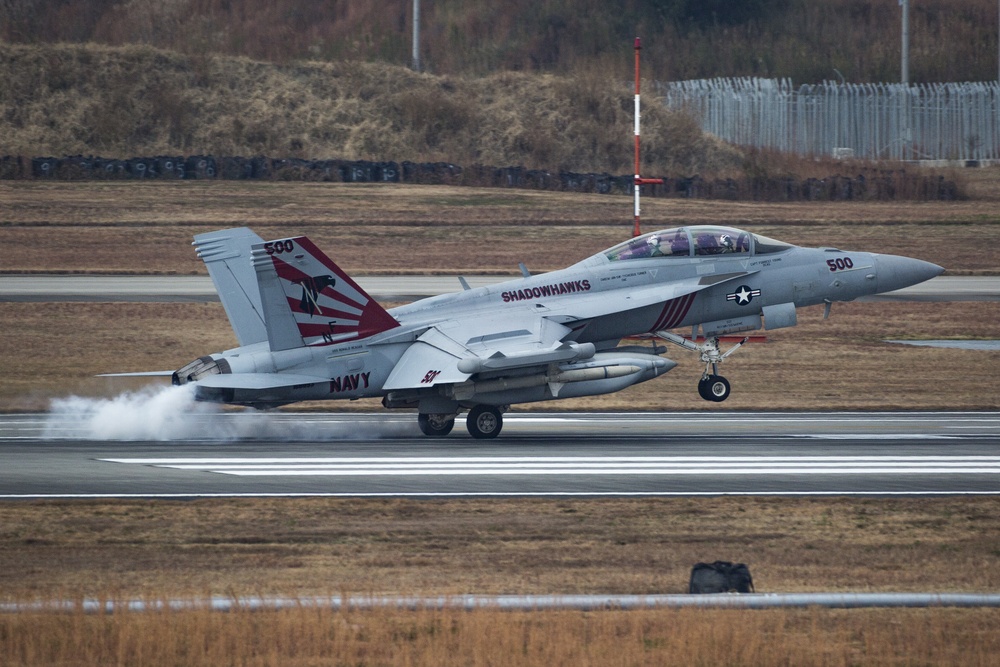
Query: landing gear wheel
{"type": "Point", "coordinates": [484, 422]}
{"type": "Point", "coordinates": [435, 425]}
{"type": "Point", "coordinates": [714, 388]}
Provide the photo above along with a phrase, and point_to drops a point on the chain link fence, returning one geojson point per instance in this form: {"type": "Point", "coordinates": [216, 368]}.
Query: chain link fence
{"type": "Point", "coordinates": [881, 121]}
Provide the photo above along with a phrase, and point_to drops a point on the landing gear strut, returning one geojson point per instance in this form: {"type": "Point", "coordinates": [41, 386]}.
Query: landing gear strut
{"type": "Point", "coordinates": [484, 422]}
{"type": "Point", "coordinates": [712, 386]}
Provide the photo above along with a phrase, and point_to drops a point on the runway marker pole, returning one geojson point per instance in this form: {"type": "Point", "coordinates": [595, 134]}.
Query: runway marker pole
{"type": "Point", "coordinates": [639, 180]}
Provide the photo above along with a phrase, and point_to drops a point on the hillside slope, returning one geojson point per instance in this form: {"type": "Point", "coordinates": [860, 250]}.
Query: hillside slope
{"type": "Point", "coordinates": [137, 100]}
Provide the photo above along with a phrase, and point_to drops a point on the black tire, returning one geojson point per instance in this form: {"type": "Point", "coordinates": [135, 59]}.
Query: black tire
{"type": "Point", "coordinates": [703, 389]}
{"type": "Point", "coordinates": [717, 388]}
{"type": "Point", "coordinates": [484, 422]}
{"type": "Point", "coordinates": [434, 426]}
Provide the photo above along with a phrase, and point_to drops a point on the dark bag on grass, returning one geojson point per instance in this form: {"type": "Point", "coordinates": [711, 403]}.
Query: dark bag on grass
{"type": "Point", "coordinates": [720, 577]}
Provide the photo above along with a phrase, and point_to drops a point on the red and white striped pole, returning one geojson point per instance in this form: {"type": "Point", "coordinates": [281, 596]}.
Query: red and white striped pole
{"type": "Point", "coordinates": [639, 181]}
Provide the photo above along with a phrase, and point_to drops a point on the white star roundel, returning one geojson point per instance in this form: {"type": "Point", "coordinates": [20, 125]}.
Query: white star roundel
{"type": "Point", "coordinates": [743, 295]}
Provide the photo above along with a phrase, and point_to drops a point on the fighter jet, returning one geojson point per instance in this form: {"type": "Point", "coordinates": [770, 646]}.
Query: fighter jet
{"type": "Point", "coordinates": [307, 331]}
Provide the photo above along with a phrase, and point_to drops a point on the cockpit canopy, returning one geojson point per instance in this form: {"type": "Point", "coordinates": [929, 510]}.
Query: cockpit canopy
{"type": "Point", "coordinates": [695, 241]}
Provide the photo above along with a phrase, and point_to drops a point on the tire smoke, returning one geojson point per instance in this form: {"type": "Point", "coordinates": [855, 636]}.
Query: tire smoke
{"type": "Point", "coordinates": [171, 413]}
{"type": "Point", "coordinates": [152, 413]}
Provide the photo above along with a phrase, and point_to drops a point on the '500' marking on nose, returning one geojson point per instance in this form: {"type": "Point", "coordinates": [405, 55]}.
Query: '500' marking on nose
{"type": "Point", "coordinates": [840, 264]}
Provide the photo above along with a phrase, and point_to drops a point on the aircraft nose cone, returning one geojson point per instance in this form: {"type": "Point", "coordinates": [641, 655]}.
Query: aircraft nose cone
{"type": "Point", "coordinates": [896, 272]}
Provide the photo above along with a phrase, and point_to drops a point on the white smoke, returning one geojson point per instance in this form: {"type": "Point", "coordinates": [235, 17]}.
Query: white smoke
{"type": "Point", "coordinates": [168, 413]}
{"type": "Point", "coordinates": [153, 413]}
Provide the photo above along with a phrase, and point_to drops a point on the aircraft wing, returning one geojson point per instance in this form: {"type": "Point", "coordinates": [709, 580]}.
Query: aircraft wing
{"type": "Point", "coordinates": [451, 351]}
{"type": "Point", "coordinates": [431, 359]}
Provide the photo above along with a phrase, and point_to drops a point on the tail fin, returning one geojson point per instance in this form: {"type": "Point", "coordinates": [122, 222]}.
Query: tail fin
{"type": "Point", "coordinates": [226, 254]}
{"type": "Point", "coordinates": [309, 300]}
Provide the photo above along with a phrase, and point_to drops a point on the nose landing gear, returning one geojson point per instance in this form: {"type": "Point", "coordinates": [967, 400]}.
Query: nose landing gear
{"type": "Point", "coordinates": [712, 386]}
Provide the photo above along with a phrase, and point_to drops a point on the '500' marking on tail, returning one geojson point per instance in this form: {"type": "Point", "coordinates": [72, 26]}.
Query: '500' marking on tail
{"type": "Point", "coordinates": [278, 247]}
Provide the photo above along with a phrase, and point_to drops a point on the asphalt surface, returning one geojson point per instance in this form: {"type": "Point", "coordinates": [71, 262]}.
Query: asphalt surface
{"type": "Point", "coordinates": [339, 454]}
{"type": "Point", "coordinates": [40, 288]}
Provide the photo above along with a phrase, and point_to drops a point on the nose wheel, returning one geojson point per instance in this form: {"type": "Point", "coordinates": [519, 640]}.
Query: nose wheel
{"type": "Point", "coordinates": [712, 387]}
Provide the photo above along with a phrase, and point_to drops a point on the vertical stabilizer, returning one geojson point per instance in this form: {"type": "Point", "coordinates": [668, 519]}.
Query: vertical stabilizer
{"type": "Point", "coordinates": [309, 300]}
{"type": "Point", "coordinates": [226, 254]}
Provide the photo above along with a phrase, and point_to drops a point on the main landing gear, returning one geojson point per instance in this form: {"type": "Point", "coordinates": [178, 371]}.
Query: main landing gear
{"type": "Point", "coordinates": [435, 425]}
{"type": "Point", "coordinates": [484, 422]}
{"type": "Point", "coordinates": [712, 386]}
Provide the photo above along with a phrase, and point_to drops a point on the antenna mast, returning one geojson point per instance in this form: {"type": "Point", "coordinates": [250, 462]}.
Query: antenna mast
{"type": "Point", "coordinates": [639, 181]}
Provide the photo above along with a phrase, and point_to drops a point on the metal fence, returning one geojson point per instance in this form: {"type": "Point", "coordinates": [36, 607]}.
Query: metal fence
{"type": "Point", "coordinates": [943, 121]}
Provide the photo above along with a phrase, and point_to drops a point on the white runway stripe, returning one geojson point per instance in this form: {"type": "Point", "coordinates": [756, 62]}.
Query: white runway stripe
{"type": "Point", "coordinates": [523, 466]}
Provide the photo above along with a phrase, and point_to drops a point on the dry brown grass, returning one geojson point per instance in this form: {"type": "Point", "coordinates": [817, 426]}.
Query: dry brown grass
{"type": "Point", "coordinates": [103, 227]}
{"type": "Point", "coordinates": [306, 637]}
{"type": "Point", "coordinates": [132, 548]}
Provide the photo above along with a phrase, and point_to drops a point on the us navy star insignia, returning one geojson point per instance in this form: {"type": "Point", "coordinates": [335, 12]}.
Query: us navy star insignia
{"type": "Point", "coordinates": [743, 295]}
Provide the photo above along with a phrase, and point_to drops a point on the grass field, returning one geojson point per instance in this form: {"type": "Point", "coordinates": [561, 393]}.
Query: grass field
{"type": "Point", "coordinates": [117, 227]}
{"type": "Point", "coordinates": [135, 548]}
{"type": "Point", "coordinates": [156, 549]}
{"type": "Point", "coordinates": [307, 638]}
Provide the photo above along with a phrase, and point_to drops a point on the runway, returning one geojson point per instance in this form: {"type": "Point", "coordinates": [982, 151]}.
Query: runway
{"type": "Point", "coordinates": [555, 455]}
{"type": "Point", "coordinates": [54, 288]}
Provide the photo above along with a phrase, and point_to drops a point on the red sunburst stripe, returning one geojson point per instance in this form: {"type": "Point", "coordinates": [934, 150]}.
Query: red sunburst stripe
{"type": "Point", "coordinates": [327, 311]}
{"type": "Point", "coordinates": [673, 312]}
{"type": "Point", "coordinates": [292, 274]}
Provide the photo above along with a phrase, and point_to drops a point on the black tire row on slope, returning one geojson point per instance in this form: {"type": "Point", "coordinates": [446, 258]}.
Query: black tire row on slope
{"type": "Point", "coordinates": [871, 184]}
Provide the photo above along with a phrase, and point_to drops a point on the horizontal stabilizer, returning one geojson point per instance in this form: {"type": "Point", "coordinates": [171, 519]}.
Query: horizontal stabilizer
{"type": "Point", "coordinates": [259, 380]}
{"type": "Point", "coordinates": [140, 374]}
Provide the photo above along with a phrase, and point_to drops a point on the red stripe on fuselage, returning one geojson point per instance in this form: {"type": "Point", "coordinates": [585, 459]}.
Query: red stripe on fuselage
{"type": "Point", "coordinates": [665, 314]}
{"type": "Point", "coordinates": [673, 313]}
